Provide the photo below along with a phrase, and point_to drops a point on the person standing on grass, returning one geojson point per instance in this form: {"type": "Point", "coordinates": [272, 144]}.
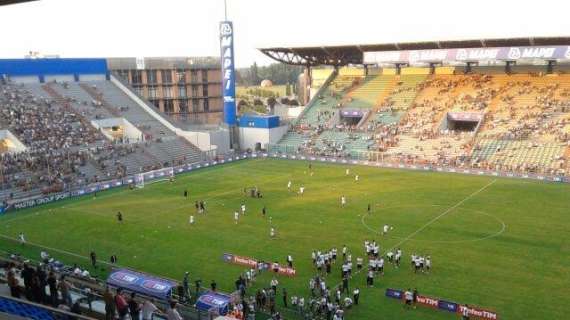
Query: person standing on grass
{"type": "Point", "coordinates": [236, 217]}
{"type": "Point", "coordinates": [120, 217]}
{"type": "Point", "coordinates": [370, 278]}
{"type": "Point", "coordinates": [369, 209]}
{"type": "Point", "coordinates": [408, 298]}
{"type": "Point", "coordinates": [356, 296]}
{"type": "Point", "coordinates": [272, 233]}
{"type": "Point", "coordinates": [465, 313]}
{"type": "Point", "coordinates": [289, 186]}
{"type": "Point", "coordinates": [22, 238]}
{"type": "Point", "coordinates": [191, 220]}
{"type": "Point", "coordinates": [342, 201]}
{"type": "Point", "coordinates": [345, 285]}
{"type": "Point", "coordinates": [213, 285]}
{"type": "Point", "coordinates": [263, 211]}
{"type": "Point", "coordinates": [415, 297]}
{"type": "Point", "coordinates": [186, 286]}
{"type": "Point", "coordinates": [197, 205]}
{"type": "Point", "coordinates": [186, 193]}
{"type": "Point", "coordinates": [93, 257]}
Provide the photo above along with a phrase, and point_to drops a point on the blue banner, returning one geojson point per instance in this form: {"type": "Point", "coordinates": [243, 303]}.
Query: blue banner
{"type": "Point", "coordinates": [228, 72]}
{"type": "Point", "coordinates": [141, 283]}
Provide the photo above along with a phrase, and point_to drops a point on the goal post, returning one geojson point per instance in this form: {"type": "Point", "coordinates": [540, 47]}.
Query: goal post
{"type": "Point", "coordinates": [164, 174]}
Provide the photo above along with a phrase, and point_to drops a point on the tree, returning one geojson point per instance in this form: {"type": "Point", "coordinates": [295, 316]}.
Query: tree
{"type": "Point", "coordinates": [254, 74]}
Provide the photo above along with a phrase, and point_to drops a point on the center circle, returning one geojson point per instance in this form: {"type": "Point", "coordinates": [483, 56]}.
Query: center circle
{"type": "Point", "coordinates": [452, 227]}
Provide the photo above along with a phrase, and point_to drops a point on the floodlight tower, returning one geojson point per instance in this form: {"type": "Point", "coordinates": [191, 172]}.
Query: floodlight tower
{"type": "Point", "coordinates": [228, 76]}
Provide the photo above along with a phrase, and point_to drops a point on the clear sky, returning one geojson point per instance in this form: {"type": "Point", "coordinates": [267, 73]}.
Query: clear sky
{"type": "Point", "coordinates": [137, 28]}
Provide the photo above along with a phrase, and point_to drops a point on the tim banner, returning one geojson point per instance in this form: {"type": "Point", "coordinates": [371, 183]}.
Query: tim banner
{"type": "Point", "coordinates": [259, 265]}
{"type": "Point", "coordinates": [449, 306]}
{"type": "Point", "coordinates": [228, 72]}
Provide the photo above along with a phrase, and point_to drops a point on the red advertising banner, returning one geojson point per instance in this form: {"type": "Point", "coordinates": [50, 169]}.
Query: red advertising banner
{"type": "Point", "coordinates": [252, 263]}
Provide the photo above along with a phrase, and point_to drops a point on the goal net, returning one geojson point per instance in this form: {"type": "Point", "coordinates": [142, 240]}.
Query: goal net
{"type": "Point", "coordinates": [153, 176]}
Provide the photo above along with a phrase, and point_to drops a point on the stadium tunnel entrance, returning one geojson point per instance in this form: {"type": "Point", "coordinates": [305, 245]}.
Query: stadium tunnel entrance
{"type": "Point", "coordinates": [352, 117]}
{"type": "Point", "coordinates": [462, 121]}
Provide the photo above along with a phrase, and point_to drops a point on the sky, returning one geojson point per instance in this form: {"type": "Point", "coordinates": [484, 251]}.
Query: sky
{"type": "Point", "coordinates": [145, 28]}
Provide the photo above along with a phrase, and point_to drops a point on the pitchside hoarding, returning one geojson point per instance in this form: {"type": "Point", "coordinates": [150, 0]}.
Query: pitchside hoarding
{"type": "Point", "coordinates": [471, 54]}
{"type": "Point", "coordinates": [260, 265]}
{"type": "Point", "coordinates": [228, 72]}
{"type": "Point", "coordinates": [444, 305]}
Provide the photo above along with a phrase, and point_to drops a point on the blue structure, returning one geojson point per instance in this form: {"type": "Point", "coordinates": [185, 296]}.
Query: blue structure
{"type": "Point", "coordinates": [141, 283]}
{"type": "Point", "coordinates": [257, 121]}
{"type": "Point", "coordinates": [228, 72]}
{"type": "Point", "coordinates": [56, 66]}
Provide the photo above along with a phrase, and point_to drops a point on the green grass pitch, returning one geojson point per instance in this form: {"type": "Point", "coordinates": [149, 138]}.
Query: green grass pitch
{"type": "Point", "coordinates": [501, 244]}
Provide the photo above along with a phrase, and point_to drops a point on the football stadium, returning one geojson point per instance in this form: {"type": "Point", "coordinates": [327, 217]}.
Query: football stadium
{"type": "Point", "coordinates": [409, 180]}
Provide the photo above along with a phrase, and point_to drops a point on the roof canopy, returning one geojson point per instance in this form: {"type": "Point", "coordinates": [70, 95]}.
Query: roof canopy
{"type": "Point", "coordinates": [353, 54]}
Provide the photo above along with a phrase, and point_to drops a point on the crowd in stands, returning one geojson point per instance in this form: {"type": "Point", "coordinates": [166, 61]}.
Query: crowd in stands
{"type": "Point", "coordinates": [63, 150]}
{"type": "Point", "coordinates": [54, 139]}
{"type": "Point", "coordinates": [522, 107]}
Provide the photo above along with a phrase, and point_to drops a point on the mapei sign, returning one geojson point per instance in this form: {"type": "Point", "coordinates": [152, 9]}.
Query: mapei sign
{"type": "Point", "coordinates": [228, 71]}
{"type": "Point", "coordinates": [469, 54]}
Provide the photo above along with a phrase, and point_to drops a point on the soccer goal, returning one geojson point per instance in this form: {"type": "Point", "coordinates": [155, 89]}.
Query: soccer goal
{"type": "Point", "coordinates": [153, 176]}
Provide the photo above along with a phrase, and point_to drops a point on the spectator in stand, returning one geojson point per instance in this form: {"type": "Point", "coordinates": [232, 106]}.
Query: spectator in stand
{"type": "Point", "coordinates": [121, 304]}
{"type": "Point", "coordinates": [148, 309]}
{"type": "Point", "coordinates": [134, 307]}
{"type": "Point", "coordinates": [64, 287]}
{"type": "Point", "coordinates": [52, 284]}
{"type": "Point", "coordinates": [172, 313]}
{"type": "Point", "coordinates": [13, 283]}
{"type": "Point", "coordinates": [110, 306]}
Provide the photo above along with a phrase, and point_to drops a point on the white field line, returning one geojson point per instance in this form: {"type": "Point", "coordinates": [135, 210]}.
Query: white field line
{"type": "Point", "coordinates": [115, 266]}
{"type": "Point", "coordinates": [442, 215]}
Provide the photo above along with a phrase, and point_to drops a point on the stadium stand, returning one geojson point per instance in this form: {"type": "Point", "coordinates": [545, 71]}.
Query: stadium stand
{"type": "Point", "coordinates": [522, 119]}
{"type": "Point", "coordinates": [65, 150]}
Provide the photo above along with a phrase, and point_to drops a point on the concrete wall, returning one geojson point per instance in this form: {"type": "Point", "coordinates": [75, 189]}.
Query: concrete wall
{"type": "Point", "coordinates": [130, 132]}
{"type": "Point", "coordinates": [249, 137]}
{"type": "Point", "coordinates": [288, 113]}
{"type": "Point", "coordinates": [14, 144]}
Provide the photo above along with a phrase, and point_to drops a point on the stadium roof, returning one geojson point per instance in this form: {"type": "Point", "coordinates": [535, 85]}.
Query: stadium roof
{"type": "Point", "coordinates": [7, 2]}
{"type": "Point", "coordinates": [353, 54]}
